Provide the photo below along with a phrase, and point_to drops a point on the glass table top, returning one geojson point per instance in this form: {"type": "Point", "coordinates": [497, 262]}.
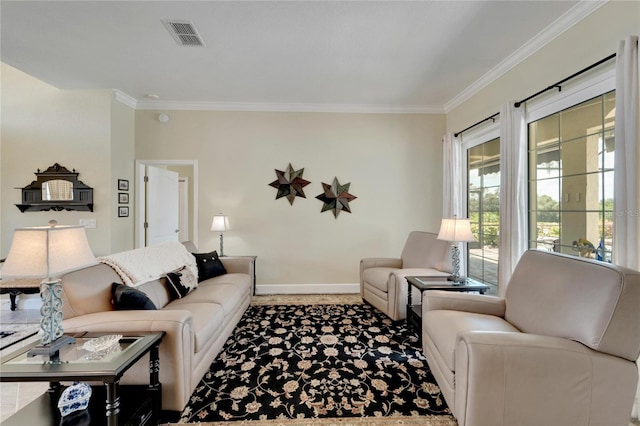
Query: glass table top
{"type": "Point", "coordinates": [78, 352]}
{"type": "Point", "coordinates": [76, 359]}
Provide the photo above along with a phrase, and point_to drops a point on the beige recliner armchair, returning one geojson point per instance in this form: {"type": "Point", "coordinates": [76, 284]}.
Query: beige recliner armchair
{"type": "Point", "coordinates": [382, 279]}
{"type": "Point", "coordinates": [559, 349]}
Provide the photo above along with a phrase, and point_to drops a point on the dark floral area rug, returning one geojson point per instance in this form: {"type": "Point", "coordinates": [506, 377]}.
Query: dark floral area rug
{"type": "Point", "coordinates": [316, 361]}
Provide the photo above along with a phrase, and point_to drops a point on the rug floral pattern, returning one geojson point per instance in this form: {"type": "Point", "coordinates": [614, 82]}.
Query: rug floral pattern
{"type": "Point", "coordinates": [287, 362]}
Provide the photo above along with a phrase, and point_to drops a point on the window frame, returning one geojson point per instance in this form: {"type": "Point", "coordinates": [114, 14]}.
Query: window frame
{"type": "Point", "coordinates": [581, 89]}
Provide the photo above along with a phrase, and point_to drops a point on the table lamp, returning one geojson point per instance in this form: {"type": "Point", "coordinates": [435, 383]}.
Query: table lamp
{"type": "Point", "coordinates": [220, 223]}
{"type": "Point", "coordinates": [456, 231]}
{"type": "Point", "coordinates": [48, 252]}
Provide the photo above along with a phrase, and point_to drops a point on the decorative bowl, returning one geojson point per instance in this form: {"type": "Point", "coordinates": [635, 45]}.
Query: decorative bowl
{"type": "Point", "coordinates": [102, 343]}
{"type": "Point", "coordinates": [102, 346]}
{"type": "Point", "coordinates": [74, 398]}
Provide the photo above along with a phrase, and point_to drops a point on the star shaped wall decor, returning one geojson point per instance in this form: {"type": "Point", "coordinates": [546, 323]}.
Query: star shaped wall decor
{"type": "Point", "coordinates": [289, 184]}
{"type": "Point", "coordinates": [336, 197]}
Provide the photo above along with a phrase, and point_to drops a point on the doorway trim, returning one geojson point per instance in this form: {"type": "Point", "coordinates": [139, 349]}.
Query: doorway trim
{"type": "Point", "coordinates": [140, 204]}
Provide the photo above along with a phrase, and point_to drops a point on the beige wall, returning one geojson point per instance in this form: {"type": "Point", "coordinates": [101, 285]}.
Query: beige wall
{"type": "Point", "coordinates": [42, 125]}
{"type": "Point", "coordinates": [122, 162]}
{"type": "Point", "coordinates": [592, 39]}
{"type": "Point", "coordinates": [393, 162]}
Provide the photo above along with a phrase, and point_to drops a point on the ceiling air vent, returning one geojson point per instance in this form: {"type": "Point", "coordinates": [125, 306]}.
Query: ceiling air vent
{"type": "Point", "coordinates": [183, 32]}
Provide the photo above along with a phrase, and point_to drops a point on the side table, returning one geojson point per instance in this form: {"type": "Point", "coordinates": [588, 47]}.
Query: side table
{"type": "Point", "coordinates": [136, 405]}
{"type": "Point", "coordinates": [424, 283]}
{"type": "Point", "coordinates": [19, 286]}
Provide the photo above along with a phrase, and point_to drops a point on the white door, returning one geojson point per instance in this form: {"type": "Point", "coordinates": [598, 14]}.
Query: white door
{"type": "Point", "coordinates": [162, 206]}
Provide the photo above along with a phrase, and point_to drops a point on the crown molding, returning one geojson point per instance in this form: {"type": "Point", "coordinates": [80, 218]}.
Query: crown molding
{"type": "Point", "coordinates": [574, 15]}
{"type": "Point", "coordinates": [290, 107]}
{"type": "Point", "coordinates": [122, 97]}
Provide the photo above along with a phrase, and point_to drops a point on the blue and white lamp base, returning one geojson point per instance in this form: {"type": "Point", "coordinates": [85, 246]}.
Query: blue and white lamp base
{"type": "Point", "coordinates": [51, 338]}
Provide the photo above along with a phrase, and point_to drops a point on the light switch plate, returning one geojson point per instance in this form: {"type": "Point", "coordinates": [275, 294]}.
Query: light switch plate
{"type": "Point", "coordinates": [88, 223]}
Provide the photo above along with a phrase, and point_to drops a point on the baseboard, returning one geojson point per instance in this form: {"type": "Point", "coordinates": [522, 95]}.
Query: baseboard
{"type": "Point", "coordinates": [346, 288]}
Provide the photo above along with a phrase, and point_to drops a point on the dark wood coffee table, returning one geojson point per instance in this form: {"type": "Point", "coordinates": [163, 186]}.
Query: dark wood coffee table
{"type": "Point", "coordinates": [424, 283]}
{"type": "Point", "coordinates": [111, 404]}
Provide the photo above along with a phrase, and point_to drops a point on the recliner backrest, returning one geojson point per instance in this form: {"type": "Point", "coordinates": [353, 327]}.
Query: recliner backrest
{"type": "Point", "coordinates": [424, 250]}
{"type": "Point", "coordinates": [594, 303]}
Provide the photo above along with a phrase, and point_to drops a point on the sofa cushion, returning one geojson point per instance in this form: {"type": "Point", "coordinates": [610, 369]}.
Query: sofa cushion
{"type": "Point", "coordinates": [226, 294]}
{"type": "Point", "coordinates": [209, 265]}
{"type": "Point", "coordinates": [208, 320]}
{"type": "Point", "coordinates": [443, 327]}
{"type": "Point", "coordinates": [128, 298]}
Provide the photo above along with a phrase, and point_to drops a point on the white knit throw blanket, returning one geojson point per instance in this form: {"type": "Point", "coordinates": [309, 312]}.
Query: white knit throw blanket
{"type": "Point", "coordinates": [145, 264]}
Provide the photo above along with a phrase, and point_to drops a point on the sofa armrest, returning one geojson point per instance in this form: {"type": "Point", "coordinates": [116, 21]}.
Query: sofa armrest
{"type": "Point", "coordinates": [499, 374]}
{"type": "Point", "coordinates": [238, 264]}
{"type": "Point", "coordinates": [467, 302]}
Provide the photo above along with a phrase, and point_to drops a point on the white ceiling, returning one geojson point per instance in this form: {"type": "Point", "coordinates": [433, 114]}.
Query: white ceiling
{"type": "Point", "coordinates": [422, 56]}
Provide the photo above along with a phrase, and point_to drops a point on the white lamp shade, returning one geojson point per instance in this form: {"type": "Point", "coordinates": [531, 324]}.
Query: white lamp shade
{"type": "Point", "coordinates": [456, 230]}
{"type": "Point", "coordinates": [47, 251]}
{"type": "Point", "coordinates": [220, 223]}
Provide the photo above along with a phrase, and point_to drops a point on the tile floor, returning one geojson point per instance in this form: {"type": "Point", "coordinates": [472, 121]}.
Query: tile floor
{"type": "Point", "coordinates": [14, 396]}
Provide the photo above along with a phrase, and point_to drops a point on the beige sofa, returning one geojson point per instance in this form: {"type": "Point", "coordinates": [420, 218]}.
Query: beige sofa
{"type": "Point", "coordinates": [382, 279]}
{"type": "Point", "coordinates": [559, 349]}
{"type": "Point", "coordinates": [196, 325]}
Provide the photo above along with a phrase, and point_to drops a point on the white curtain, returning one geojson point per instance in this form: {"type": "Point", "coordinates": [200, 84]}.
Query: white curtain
{"type": "Point", "coordinates": [513, 191]}
{"type": "Point", "coordinates": [626, 230]}
{"type": "Point", "coordinates": [452, 190]}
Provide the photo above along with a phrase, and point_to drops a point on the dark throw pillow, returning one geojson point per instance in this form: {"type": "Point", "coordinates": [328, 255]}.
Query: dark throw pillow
{"type": "Point", "coordinates": [209, 265]}
{"type": "Point", "coordinates": [178, 284]}
{"type": "Point", "coordinates": [129, 299]}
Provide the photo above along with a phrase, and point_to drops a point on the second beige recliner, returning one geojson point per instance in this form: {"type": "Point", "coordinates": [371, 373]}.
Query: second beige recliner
{"type": "Point", "coordinates": [382, 279]}
{"type": "Point", "coordinates": [558, 350]}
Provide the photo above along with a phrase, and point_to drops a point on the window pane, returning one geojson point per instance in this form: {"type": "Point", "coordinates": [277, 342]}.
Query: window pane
{"type": "Point", "coordinates": [578, 226]}
{"type": "Point", "coordinates": [544, 132]}
{"type": "Point", "coordinates": [581, 192]}
{"type": "Point", "coordinates": [548, 190]}
{"type": "Point", "coordinates": [610, 110]}
{"type": "Point", "coordinates": [608, 189]}
{"type": "Point", "coordinates": [581, 120]}
{"type": "Point", "coordinates": [547, 163]}
{"type": "Point", "coordinates": [573, 214]}
{"type": "Point", "coordinates": [483, 207]}
{"type": "Point", "coordinates": [580, 155]}
{"type": "Point", "coordinates": [608, 149]}
{"type": "Point", "coordinates": [491, 200]}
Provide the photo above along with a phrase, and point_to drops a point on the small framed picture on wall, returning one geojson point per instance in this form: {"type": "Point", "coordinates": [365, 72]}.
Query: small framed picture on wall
{"type": "Point", "coordinates": [123, 185]}
{"type": "Point", "coordinates": [123, 198]}
{"type": "Point", "coordinates": [123, 211]}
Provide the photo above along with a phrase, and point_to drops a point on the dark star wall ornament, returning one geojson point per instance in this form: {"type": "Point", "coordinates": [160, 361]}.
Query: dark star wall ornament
{"type": "Point", "coordinates": [336, 197]}
{"type": "Point", "coordinates": [289, 184]}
